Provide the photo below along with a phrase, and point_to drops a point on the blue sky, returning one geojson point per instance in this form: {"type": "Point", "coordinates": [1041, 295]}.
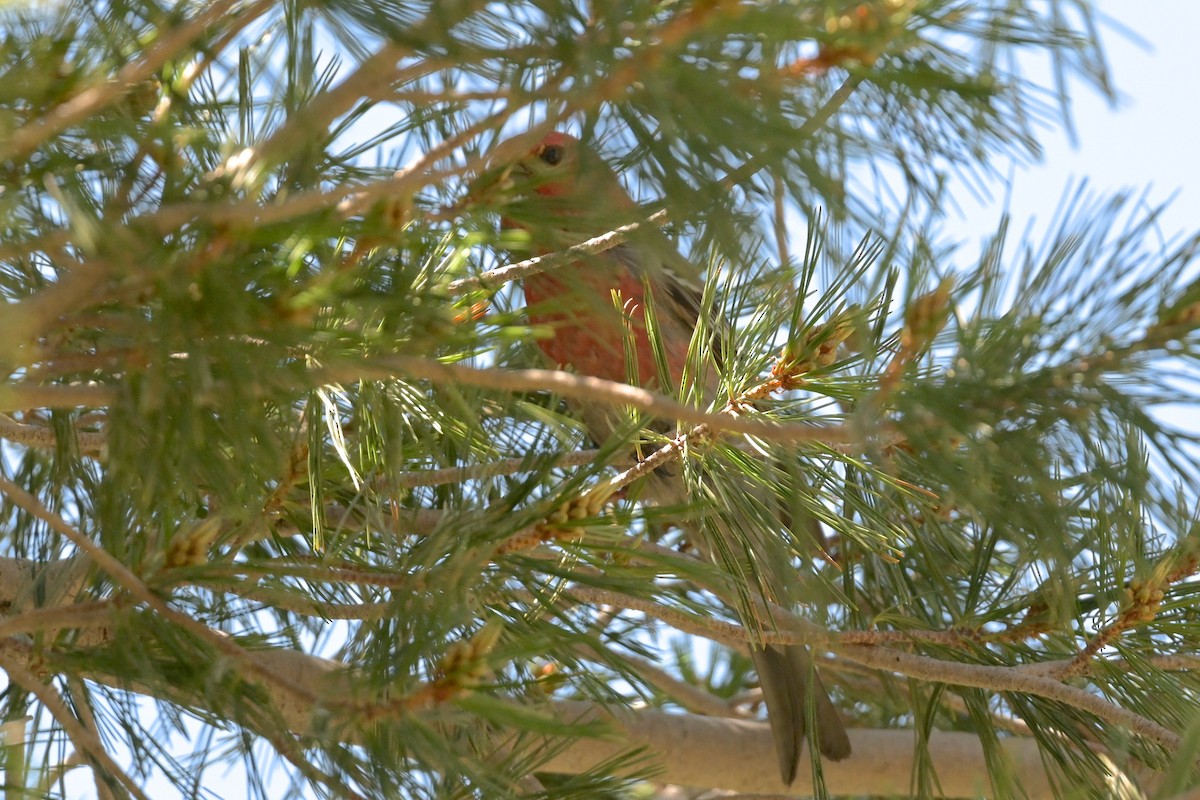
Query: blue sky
{"type": "Point", "coordinates": [1150, 139]}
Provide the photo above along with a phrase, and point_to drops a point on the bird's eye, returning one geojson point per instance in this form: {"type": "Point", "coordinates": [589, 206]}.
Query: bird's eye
{"type": "Point", "coordinates": [551, 154]}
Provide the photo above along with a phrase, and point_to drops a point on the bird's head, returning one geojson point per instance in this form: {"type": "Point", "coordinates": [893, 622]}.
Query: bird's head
{"type": "Point", "coordinates": [518, 168]}
{"type": "Point", "coordinates": [556, 183]}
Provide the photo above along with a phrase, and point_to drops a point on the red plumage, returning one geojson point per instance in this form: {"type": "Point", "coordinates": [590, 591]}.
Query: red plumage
{"type": "Point", "coordinates": [562, 194]}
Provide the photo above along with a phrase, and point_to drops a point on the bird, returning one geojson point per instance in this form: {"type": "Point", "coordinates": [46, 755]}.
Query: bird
{"type": "Point", "coordinates": [562, 192]}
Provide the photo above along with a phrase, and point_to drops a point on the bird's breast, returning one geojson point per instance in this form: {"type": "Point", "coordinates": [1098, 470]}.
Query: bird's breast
{"type": "Point", "coordinates": [596, 314]}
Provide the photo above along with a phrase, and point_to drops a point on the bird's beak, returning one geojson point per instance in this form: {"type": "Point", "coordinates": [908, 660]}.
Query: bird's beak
{"type": "Point", "coordinates": [499, 184]}
{"type": "Point", "coordinates": [490, 184]}
{"type": "Point", "coordinates": [505, 170]}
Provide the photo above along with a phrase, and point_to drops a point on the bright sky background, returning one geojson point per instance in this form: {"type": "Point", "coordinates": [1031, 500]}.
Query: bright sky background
{"type": "Point", "coordinates": [1151, 138]}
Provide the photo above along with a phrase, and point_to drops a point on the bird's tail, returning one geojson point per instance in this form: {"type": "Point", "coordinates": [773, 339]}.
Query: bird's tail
{"type": "Point", "coordinates": [785, 672]}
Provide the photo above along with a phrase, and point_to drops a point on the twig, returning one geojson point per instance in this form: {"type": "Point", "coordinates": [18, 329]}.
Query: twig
{"type": "Point", "coordinates": [1009, 679]}
{"type": "Point", "coordinates": [347, 573]}
{"type": "Point", "coordinates": [306, 605]}
{"type": "Point", "coordinates": [418, 521]}
{"type": "Point", "coordinates": [409, 179]}
{"type": "Point", "coordinates": [88, 720]}
{"type": "Point", "coordinates": [1167, 663]}
{"type": "Point", "coordinates": [53, 241]}
{"type": "Point", "coordinates": [693, 698]}
{"type": "Point", "coordinates": [438, 477]}
{"type": "Point", "coordinates": [779, 223]}
{"type": "Point", "coordinates": [82, 738]}
{"type": "Point", "coordinates": [598, 244]}
{"type": "Point", "coordinates": [27, 321]}
{"type": "Point", "coordinates": [370, 78]}
{"type": "Point", "coordinates": [790, 630]}
{"type": "Point", "coordinates": [556, 526]}
{"type": "Point", "coordinates": [426, 97]}
{"type": "Point", "coordinates": [91, 99]}
{"type": "Point", "coordinates": [134, 585]}
{"type": "Point", "coordinates": [716, 630]}
{"type": "Point", "coordinates": [43, 438]}
{"type": "Point", "coordinates": [1142, 600]}
{"type": "Point", "coordinates": [75, 616]}
{"type": "Point", "coordinates": [591, 503]}
{"type": "Point", "coordinates": [585, 387]}
{"type": "Point", "coordinates": [952, 638]}
{"type": "Point", "coordinates": [15, 397]}
{"type": "Point", "coordinates": [58, 365]}
{"type": "Point", "coordinates": [794, 630]}
{"type": "Point", "coordinates": [347, 199]}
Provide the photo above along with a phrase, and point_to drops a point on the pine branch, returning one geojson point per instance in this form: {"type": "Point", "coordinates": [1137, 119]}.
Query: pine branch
{"type": "Point", "coordinates": [15, 397]}
{"type": "Point", "coordinates": [295, 675]}
{"type": "Point", "coordinates": [89, 443]}
{"type": "Point", "coordinates": [1009, 679]}
{"type": "Point", "coordinates": [209, 211]}
{"type": "Point", "coordinates": [499, 276]}
{"type": "Point", "coordinates": [83, 738]}
{"type": "Point", "coordinates": [585, 387]}
{"type": "Point", "coordinates": [131, 583]}
{"type": "Point", "coordinates": [55, 618]}
{"type": "Point", "coordinates": [92, 99]}
{"type": "Point", "coordinates": [435, 477]}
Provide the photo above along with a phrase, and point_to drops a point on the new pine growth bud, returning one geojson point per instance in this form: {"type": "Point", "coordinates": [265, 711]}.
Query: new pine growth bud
{"type": "Point", "coordinates": [190, 548]}
{"type": "Point", "coordinates": [557, 524]}
{"type": "Point", "coordinates": [574, 510]}
{"type": "Point", "coordinates": [1180, 316]}
{"type": "Point", "coordinates": [550, 677]}
{"type": "Point", "coordinates": [1177, 319]}
{"type": "Point", "coordinates": [1142, 599]}
{"type": "Point", "coordinates": [817, 350]}
{"type": "Point", "coordinates": [926, 316]}
{"type": "Point", "coordinates": [465, 662]}
{"type": "Point", "coordinates": [1187, 559]}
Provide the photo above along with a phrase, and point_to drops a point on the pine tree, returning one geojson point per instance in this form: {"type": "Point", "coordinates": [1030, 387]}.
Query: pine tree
{"type": "Point", "coordinates": [285, 485]}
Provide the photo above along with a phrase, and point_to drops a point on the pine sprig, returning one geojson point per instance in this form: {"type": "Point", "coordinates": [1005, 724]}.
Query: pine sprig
{"type": "Point", "coordinates": [267, 446]}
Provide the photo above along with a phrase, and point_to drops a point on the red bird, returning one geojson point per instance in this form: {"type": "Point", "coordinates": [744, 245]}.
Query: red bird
{"type": "Point", "coordinates": [563, 193]}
